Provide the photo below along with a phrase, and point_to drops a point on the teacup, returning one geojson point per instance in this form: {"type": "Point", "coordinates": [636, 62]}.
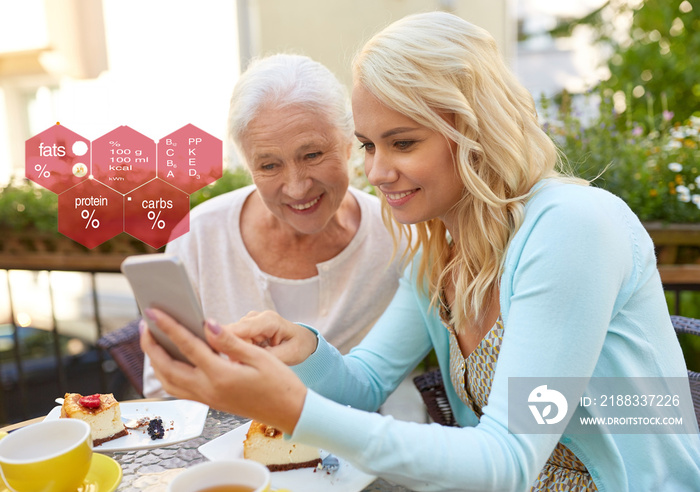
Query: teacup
{"type": "Point", "coordinates": [239, 475]}
{"type": "Point", "coordinates": [51, 456]}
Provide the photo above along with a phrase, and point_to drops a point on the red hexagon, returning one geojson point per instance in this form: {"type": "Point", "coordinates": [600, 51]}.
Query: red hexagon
{"type": "Point", "coordinates": [124, 159]}
{"type": "Point", "coordinates": [57, 158]}
{"type": "Point", "coordinates": [90, 213]}
{"type": "Point", "coordinates": [156, 213]}
{"type": "Point", "coordinates": [190, 158]}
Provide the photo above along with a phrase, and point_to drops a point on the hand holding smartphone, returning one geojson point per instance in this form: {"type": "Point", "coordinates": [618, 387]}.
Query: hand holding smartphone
{"type": "Point", "coordinates": [161, 281]}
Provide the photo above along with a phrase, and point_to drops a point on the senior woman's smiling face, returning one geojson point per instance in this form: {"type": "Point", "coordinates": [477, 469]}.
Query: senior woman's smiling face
{"type": "Point", "coordinates": [299, 164]}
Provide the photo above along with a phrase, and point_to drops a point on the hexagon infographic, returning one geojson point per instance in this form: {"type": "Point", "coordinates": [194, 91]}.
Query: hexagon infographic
{"type": "Point", "coordinates": [124, 159]}
{"type": "Point", "coordinates": [156, 213]}
{"type": "Point", "coordinates": [123, 181]}
{"type": "Point", "coordinates": [189, 159]}
{"type": "Point", "coordinates": [90, 213]}
{"type": "Point", "coordinates": [57, 158]}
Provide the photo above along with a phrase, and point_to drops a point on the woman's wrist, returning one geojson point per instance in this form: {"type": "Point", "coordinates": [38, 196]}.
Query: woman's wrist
{"type": "Point", "coordinates": [296, 408]}
{"type": "Point", "coordinates": [310, 337]}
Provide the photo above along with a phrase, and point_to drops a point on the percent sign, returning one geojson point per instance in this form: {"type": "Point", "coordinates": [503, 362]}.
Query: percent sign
{"type": "Point", "coordinates": [114, 143]}
{"type": "Point", "coordinates": [153, 217]}
{"type": "Point", "coordinates": [43, 173]}
{"type": "Point", "coordinates": [94, 223]}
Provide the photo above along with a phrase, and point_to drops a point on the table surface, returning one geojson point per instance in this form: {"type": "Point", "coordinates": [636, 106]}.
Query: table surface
{"type": "Point", "coordinates": [150, 470]}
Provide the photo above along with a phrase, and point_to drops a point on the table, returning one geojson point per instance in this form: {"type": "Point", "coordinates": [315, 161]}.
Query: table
{"type": "Point", "coordinates": [149, 470]}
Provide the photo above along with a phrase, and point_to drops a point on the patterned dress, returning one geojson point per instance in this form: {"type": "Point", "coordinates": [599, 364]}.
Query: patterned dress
{"type": "Point", "coordinates": [472, 378]}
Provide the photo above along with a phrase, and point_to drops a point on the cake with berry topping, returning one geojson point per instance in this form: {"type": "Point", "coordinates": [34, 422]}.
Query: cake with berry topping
{"type": "Point", "coordinates": [267, 445]}
{"type": "Point", "coordinates": [101, 411]}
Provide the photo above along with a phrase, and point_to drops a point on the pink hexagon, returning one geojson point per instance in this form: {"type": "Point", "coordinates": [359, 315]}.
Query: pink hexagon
{"type": "Point", "coordinates": [190, 158]}
{"type": "Point", "coordinates": [57, 158]}
{"type": "Point", "coordinates": [124, 159]}
{"type": "Point", "coordinates": [156, 213]}
{"type": "Point", "coordinates": [90, 213]}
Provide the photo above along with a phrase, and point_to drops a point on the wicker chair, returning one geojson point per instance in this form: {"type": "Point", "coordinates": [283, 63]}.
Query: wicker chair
{"type": "Point", "coordinates": [432, 388]}
{"type": "Point", "coordinates": [123, 346]}
{"type": "Point", "coordinates": [692, 326]}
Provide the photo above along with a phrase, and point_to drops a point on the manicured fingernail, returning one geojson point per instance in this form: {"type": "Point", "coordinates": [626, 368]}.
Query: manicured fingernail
{"type": "Point", "coordinates": [150, 313]}
{"type": "Point", "coordinates": [214, 327]}
{"type": "Point", "coordinates": [142, 326]}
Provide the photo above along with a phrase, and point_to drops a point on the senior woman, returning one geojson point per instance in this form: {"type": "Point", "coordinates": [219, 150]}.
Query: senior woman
{"type": "Point", "coordinates": [299, 241]}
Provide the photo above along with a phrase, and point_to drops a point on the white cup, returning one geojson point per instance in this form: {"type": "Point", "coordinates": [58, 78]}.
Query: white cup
{"type": "Point", "coordinates": [217, 473]}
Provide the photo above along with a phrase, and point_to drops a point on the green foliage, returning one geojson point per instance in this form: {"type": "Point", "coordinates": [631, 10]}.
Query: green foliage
{"type": "Point", "coordinates": [660, 61]}
{"type": "Point", "coordinates": [565, 27]}
{"type": "Point", "coordinates": [656, 172]}
{"type": "Point", "coordinates": [655, 60]}
{"type": "Point", "coordinates": [25, 206]}
{"type": "Point", "coordinates": [231, 180]}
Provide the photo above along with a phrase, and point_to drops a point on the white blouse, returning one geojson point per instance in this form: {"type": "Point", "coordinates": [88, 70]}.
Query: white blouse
{"type": "Point", "coordinates": [342, 302]}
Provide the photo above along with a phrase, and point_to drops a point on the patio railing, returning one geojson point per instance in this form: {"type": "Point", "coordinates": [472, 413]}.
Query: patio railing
{"type": "Point", "coordinates": [18, 385]}
{"type": "Point", "coordinates": [679, 278]}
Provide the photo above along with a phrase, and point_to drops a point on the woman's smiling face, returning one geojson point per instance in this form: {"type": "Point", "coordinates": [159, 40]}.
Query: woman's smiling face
{"type": "Point", "coordinates": [299, 164]}
{"type": "Point", "coordinates": [412, 165]}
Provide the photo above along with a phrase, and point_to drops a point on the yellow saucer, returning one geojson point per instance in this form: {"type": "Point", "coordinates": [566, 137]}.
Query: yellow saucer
{"type": "Point", "coordinates": [104, 475]}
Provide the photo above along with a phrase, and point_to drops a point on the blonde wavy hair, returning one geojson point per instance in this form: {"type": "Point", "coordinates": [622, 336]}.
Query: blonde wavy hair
{"type": "Point", "coordinates": [429, 65]}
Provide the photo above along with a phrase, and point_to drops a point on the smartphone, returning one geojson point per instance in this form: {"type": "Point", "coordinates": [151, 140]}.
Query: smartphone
{"type": "Point", "coordinates": [160, 281]}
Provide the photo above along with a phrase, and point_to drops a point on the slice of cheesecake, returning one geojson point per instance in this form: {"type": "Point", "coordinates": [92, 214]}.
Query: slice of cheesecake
{"type": "Point", "coordinates": [267, 445]}
{"type": "Point", "coordinates": [101, 411]}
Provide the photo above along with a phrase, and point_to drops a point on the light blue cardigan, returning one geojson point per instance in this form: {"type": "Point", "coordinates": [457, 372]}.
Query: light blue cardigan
{"type": "Point", "coordinates": [580, 296]}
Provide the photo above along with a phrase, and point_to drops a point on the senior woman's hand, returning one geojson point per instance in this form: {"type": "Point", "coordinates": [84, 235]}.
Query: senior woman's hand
{"type": "Point", "coordinates": [251, 383]}
{"type": "Point", "coordinates": [289, 342]}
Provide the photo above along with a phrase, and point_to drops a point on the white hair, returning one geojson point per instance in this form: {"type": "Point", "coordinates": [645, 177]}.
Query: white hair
{"type": "Point", "coordinates": [284, 80]}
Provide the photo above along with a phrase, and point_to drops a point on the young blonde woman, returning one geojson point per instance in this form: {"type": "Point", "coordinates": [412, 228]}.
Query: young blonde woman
{"type": "Point", "coordinates": [520, 272]}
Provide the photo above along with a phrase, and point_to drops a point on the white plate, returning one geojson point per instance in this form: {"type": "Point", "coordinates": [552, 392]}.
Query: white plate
{"type": "Point", "coordinates": [346, 479]}
{"type": "Point", "coordinates": [182, 420]}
